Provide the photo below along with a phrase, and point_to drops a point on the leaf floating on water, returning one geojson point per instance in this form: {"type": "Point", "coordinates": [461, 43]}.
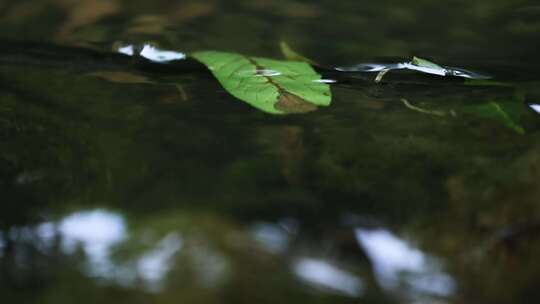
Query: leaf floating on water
{"type": "Point", "coordinates": [273, 86]}
{"type": "Point", "coordinates": [425, 63]}
{"type": "Point", "coordinates": [370, 67]}
{"type": "Point", "coordinates": [425, 66]}
{"type": "Point", "coordinates": [459, 72]}
{"type": "Point", "coordinates": [429, 67]}
{"type": "Point", "coordinates": [416, 64]}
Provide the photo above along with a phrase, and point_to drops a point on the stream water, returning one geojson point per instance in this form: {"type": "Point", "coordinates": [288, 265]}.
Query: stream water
{"type": "Point", "coordinates": [129, 181]}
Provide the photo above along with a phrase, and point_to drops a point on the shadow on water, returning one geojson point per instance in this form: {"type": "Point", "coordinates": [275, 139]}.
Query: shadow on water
{"type": "Point", "coordinates": [128, 180]}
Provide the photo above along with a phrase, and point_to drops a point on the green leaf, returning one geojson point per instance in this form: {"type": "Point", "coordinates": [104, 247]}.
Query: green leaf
{"type": "Point", "coordinates": [425, 63]}
{"type": "Point", "coordinates": [273, 86]}
{"type": "Point", "coordinates": [507, 113]}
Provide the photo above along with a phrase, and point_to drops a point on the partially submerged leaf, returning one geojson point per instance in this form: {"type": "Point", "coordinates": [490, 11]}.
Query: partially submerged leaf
{"type": "Point", "coordinates": [506, 113]}
{"type": "Point", "coordinates": [425, 66]}
{"type": "Point", "coordinates": [416, 64]}
{"type": "Point", "coordinates": [429, 67]}
{"type": "Point", "coordinates": [425, 63]}
{"type": "Point", "coordinates": [273, 86]}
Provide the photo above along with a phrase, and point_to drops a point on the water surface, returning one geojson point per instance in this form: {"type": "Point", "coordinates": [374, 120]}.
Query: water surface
{"type": "Point", "coordinates": [130, 182]}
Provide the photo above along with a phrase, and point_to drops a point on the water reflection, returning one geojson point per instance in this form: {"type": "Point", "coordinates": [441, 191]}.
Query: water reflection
{"type": "Point", "coordinates": [99, 234]}
{"type": "Point", "coordinates": [396, 262]}
{"type": "Point", "coordinates": [535, 107]}
{"type": "Point", "coordinates": [152, 53]}
{"type": "Point", "coordinates": [153, 265]}
{"type": "Point", "coordinates": [322, 274]}
{"type": "Point", "coordinates": [274, 238]}
{"type": "Point", "coordinates": [433, 69]}
{"type": "Point", "coordinates": [47, 233]}
{"type": "Point", "coordinates": [127, 50]}
{"type": "Point", "coordinates": [211, 267]}
{"type": "Point", "coordinates": [325, 80]}
{"type": "Point", "coordinates": [266, 72]}
{"type": "Point", "coordinates": [370, 67]}
{"type": "Point", "coordinates": [95, 231]}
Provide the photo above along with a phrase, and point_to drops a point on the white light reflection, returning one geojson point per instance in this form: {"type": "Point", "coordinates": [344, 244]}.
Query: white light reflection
{"type": "Point", "coordinates": [378, 67]}
{"type": "Point", "coordinates": [322, 274]}
{"type": "Point", "coordinates": [96, 232]}
{"type": "Point", "coordinates": [535, 107]}
{"type": "Point", "coordinates": [267, 72]}
{"type": "Point", "coordinates": [325, 80]}
{"type": "Point", "coordinates": [396, 262]}
{"type": "Point", "coordinates": [152, 53]}
{"type": "Point", "coordinates": [409, 65]}
{"type": "Point", "coordinates": [271, 237]}
{"type": "Point", "coordinates": [46, 233]}
{"type": "Point", "coordinates": [127, 50]}
{"type": "Point", "coordinates": [371, 67]}
{"type": "Point", "coordinates": [155, 264]}
{"type": "Point", "coordinates": [424, 69]}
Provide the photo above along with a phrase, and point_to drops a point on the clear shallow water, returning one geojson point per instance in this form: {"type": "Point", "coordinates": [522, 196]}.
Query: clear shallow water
{"type": "Point", "coordinates": [152, 184]}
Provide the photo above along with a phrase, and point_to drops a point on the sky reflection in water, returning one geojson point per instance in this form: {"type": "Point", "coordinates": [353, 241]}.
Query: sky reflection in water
{"type": "Point", "coordinates": [396, 262]}
{"type": "Point", "coordinates": [535, 107]}
{"type": "Point", "coordinates": [411, 65]}
{"type": "Point", "coordinates": [96, 231]}
{"type": "Point", "coordinates": [274, 238]}
{"type": "Point", "coordinates": [99, 231]}
{"type": "Point", "coordinates": [154, 264]}
{"type": "Point", "coordinates": [152, 53]}
{"type": "Point", "coordinates": [323, 274]}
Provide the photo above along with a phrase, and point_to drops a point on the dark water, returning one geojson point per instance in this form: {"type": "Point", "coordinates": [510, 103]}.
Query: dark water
{"type": "Point", "coordinates": [123, 183]}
